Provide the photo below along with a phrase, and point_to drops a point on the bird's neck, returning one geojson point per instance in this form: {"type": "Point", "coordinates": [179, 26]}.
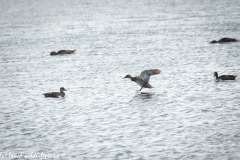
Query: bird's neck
{"type": "Point", "coordinates": [62, 93]}
{"type": "Point", "coordinates": [133, 78]}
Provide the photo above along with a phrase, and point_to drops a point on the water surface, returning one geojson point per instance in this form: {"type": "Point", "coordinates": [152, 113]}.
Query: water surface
{"type": "Point", "coordinates": [186, 116]}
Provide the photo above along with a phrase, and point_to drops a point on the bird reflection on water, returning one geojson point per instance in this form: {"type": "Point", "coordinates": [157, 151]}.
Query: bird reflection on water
{"type": "Point", "coordinates": [144, 95]}
{"type": "Point", "coordinates": [144, 98]}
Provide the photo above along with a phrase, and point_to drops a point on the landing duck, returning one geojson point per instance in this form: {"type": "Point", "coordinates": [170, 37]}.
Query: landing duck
{"type": "Point", "coordinates": [224, 77]}
{"type": "Point", "coordinates": [56, 94]}
{"type": "Point", "coordinates": [222, 40]}
{"type": "Point", "coordinates": [62, 52]}
{"type": "Point", "coordinates": [144, 78]}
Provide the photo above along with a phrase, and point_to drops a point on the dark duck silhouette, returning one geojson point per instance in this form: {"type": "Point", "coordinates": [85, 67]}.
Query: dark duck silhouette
{"type": "Point", "coordinates": [223, 40]}
{"type": "Point", "coordinates": [144, 78]}
{"type": "Point", "coordinates": [56, 94]}
{"type": "Point", "coordinates": [224, 77]}
{"type": "Point", "coordinates": [62, 52]}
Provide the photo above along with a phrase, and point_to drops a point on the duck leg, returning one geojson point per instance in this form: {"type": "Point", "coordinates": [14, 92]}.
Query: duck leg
{"type": "Point", "coordinates": [140, 89]}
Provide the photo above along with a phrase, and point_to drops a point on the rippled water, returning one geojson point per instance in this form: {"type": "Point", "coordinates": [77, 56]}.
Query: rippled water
{"type": "Point", "coordinates": [186, 116]}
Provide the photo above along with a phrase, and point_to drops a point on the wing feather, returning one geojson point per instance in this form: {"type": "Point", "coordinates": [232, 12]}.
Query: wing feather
{"type": "Point", "coordinates": [145, 75]}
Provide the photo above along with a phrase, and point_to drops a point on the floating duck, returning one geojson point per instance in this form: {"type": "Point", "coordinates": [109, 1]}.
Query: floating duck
{"type": "Point", "coordinates": [56, 94]}
{"type": "Point", "coordinates": [62, 52]}
{"type": "Point", "coordinates": [224, 77]}
{"type": "Point", "coordinates": [144, 78]}
{"type": "Point", "coordinates": [222, 40]}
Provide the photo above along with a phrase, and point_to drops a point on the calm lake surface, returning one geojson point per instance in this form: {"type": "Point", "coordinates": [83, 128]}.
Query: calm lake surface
{"type": "Point", "coordinates": [187, 115]}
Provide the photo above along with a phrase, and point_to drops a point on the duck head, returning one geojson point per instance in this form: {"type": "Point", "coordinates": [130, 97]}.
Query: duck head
{"type": "Point", "coordinates": [215, 74]}
{"type": "Point", "coordinates": [53, 53]}
{"type": "Point", "coordinates": [214, 41]}
{"type": "Point", "coordinates": [62, 89]}
{"type": "Point", "coordinates": [128, 76]}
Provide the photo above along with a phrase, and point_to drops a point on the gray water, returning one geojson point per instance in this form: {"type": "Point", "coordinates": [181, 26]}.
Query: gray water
{"type": "Point", "coordinates": [187, 115]}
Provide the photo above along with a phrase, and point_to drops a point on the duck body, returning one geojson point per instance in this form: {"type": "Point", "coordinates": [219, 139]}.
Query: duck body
{"type": "Point", "coordinates": [56, 94]}
{"type": "Point", "coordinates": [224, 77]}
{"type": "Point", "coordinates": [143, 79]}
{"type": "Point", "coordinates": [223, 40]}
{"type": "Point", "coordinates": [139, 81]}
{"type": "Point", "coordinates": [62, 52]}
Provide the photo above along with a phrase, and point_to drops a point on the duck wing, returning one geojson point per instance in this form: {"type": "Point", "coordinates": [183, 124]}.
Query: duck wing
{"type": "Point", "coordinates": [66, 51]}
{"type": "Point", "coordinates": [227, 40]}
{"type": "Point", "coordinates": [227, 77]}
{"type": "Point", "coordinates": [223, 76]}
{"type": "Point", "coordinates": [52, 94]}
{"type": "Point", "coordinates": [145, 75]}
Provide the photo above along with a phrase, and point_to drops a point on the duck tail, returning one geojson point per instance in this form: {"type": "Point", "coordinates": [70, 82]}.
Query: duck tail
{"type": "Point", "coordinates": [149, 86]}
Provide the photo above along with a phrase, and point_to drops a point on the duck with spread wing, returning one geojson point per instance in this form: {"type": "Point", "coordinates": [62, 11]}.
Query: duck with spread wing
{"type": "Point", "coordinates": [143, 79]}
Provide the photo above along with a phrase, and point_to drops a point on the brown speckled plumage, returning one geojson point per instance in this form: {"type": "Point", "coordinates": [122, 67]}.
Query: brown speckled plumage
{"type": "Point", "coordinates": [62, 52]}
{"type": "Point", "coordinates": [223, 40]}
{"type": "Point", "coordinates": [144, 78]}
{"type": "Point", "coordinates": [224, 77]}
{"type": "Point", "coordinates": [56, 94]}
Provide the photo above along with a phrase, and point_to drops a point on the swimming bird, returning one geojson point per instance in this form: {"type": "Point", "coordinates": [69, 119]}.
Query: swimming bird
{"type": "Point", "coordinates": [56, 94]}
{"type": "Point", "coordinates": [62, 52]}
{"type": "Point", "coordinates": [222, 40]}
{"type": "Point", "coordinates": [224, 77]}
{"type": "Point", "coordinates": [144, 78]}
